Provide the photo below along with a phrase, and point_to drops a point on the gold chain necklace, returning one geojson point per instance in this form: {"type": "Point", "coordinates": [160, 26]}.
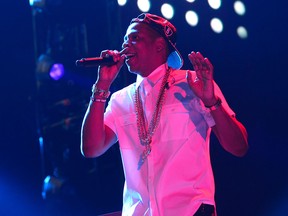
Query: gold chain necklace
{"type": "Point", "coordinates": [145, 135]}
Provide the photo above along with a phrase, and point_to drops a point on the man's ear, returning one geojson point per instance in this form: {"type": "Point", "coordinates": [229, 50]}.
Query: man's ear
{"type": "Point", "coordinates": [160, 44]}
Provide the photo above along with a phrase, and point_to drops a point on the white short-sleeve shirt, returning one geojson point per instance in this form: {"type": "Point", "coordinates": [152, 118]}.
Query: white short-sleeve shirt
{"type": "Point", "coordinates": [177, 175]}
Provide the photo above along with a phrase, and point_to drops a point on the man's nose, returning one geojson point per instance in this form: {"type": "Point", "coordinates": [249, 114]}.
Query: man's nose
{"type": "Point", "coordinates": [125, 44]}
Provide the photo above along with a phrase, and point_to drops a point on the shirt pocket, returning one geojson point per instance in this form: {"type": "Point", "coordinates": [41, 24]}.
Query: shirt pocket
{"type": "Point", "coordinates": [127, 130]}
{"type": "Point", "coordinates": [176, 122]}
{"type": "Point", "coordinates": [127, 120]}
{"type": "Point", "coordinates": [181, 121]}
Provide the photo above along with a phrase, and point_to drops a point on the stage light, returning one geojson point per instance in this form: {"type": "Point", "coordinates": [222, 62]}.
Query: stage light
{"type": "Point", "coordinates": [47, 68]}
{"type": "Point", "coordinates": [216, 25]}
{"type": "Point", "coordinates": [215, 4]}
{"type": "Point", "coordinates": [144, 5]}
{"type": "Point", "coordinates": [122, 2]}
{"type": "Point", "coordinates": [242, 32]}
{"type": "Point", "coordinates": [191, 18]}
{"type": "Point", "coordinates": [167, 11]}
{"type": "Point", "coordinates": [57, 71]}
{"type": "Point", "coordinates": [239, 8]}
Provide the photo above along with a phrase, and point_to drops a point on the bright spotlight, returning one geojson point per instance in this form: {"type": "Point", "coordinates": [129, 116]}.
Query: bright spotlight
{"type": "Point", "coordinates": [215, 4]}
{"type": "Point", "coordinates": [46, 67]}
{"type": "Point", "coordinates": [216, 25]}
{"type": "Point", "coordinates": [242, 32]}
{"type": "Point", "coordinates": [144, 5]}
{"type": "Point", "coordinates": [239, 8]}
{"type": "Point", "coordinates": [190, 1]}
{"type": "Point", "coordinates": [167, 11]}
{"type": "Point", "coordinates": [191, 18]}
{"type": "Point", "coordinates": [57, 71]}
{"type": "Point", "coordinates": [121, 2]}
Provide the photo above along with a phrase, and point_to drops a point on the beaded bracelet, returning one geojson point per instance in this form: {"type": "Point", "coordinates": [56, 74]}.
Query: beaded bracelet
{"type": "Point", "coordinates": [93, 99]}
{"type": "Point", "coordinates": [215, 106]}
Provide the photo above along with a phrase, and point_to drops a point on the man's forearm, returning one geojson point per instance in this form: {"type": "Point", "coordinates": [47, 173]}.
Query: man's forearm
{"type": "Point", "coordinates": [231, 134]}
{"type": "Point", "coordinates": [93, 130]}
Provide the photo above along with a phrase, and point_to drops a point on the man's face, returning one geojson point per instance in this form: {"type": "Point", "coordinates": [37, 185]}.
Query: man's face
{"type": "Point", "coordinates": [139, 43]}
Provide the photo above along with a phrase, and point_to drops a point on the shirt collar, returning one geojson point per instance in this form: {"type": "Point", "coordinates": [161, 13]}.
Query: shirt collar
{"type": "Point", "coordinates": [154, 77]}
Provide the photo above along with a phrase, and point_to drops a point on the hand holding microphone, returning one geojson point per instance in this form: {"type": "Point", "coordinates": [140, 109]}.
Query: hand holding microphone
{"type": "Point", "coordinates": [106, 60]}
{"type": "Point", "coordinates": [110, 63]}
{"type": "Point", "coordinates": [95, 61]}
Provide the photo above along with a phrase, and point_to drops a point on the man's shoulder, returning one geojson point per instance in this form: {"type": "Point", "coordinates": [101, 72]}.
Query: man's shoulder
{"type": "Point", "coordinates": [180, 74]}
{"type": "Point", "coordinates": [181, 71]}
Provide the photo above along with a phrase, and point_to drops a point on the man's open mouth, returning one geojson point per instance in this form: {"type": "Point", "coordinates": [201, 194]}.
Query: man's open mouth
{"type": "Point", "coordinates": [129, 55]}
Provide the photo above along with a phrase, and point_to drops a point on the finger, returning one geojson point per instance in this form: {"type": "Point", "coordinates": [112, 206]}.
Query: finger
{"type": "Point", "coordinates": [196, 65]}
{"type": "Point", "coordinates": [194, 60]}
{"type": "Point", "coordinates": [106, 53]}
{"type": "Point", "coordinates": [208, 64]}
{"type": "Point", "coordinates": [189, 78]}
{"type": "Point", "coordinates": [200, 57]}
{"type": "Point", "coordinates": [192, 78]}
{"type": "Point", "coordinates": [116, 56]}
{"type": "Point", "coordinates": [193, 81]}
{"type": "Point", "coordinates": [202, 63]}
{"type": "Point", "coordinates": [199, 61]}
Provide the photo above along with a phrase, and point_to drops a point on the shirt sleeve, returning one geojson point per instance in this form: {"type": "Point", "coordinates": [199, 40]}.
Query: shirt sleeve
{"type": "Point", "coordinates": [207, 115]}
{"type": "Point", "coordinates": [109, 118]}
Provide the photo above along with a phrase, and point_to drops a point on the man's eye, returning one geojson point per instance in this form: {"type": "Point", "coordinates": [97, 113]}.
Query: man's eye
{"type": "Point", "coordinates": [135, 37]}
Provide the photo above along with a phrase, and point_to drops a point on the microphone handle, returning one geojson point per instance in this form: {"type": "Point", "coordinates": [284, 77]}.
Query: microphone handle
{"type": "Point", "coordinates": [95, 62]}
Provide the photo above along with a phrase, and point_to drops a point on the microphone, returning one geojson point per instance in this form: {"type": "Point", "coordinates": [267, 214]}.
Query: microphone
{"type": "Point", "coordinates": [95, 61]}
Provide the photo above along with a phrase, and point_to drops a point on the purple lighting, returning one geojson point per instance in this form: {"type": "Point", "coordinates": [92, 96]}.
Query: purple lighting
{"type": "Point", "coordinates": [57, 71]}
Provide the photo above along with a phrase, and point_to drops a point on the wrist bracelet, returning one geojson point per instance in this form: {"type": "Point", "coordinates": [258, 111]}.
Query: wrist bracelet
{"type": "Point", "coordinates": [100, 92]}
{"type": "Point", "coordinates": [215, 106]}
{"type": "Point", "coordinates": [93, 99]}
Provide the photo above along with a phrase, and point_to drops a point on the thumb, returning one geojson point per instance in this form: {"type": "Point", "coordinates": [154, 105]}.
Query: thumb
{"type": "Point", "coordinates": [192, 78]}
{"type": "Point", "coordinates": [120, 62]}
